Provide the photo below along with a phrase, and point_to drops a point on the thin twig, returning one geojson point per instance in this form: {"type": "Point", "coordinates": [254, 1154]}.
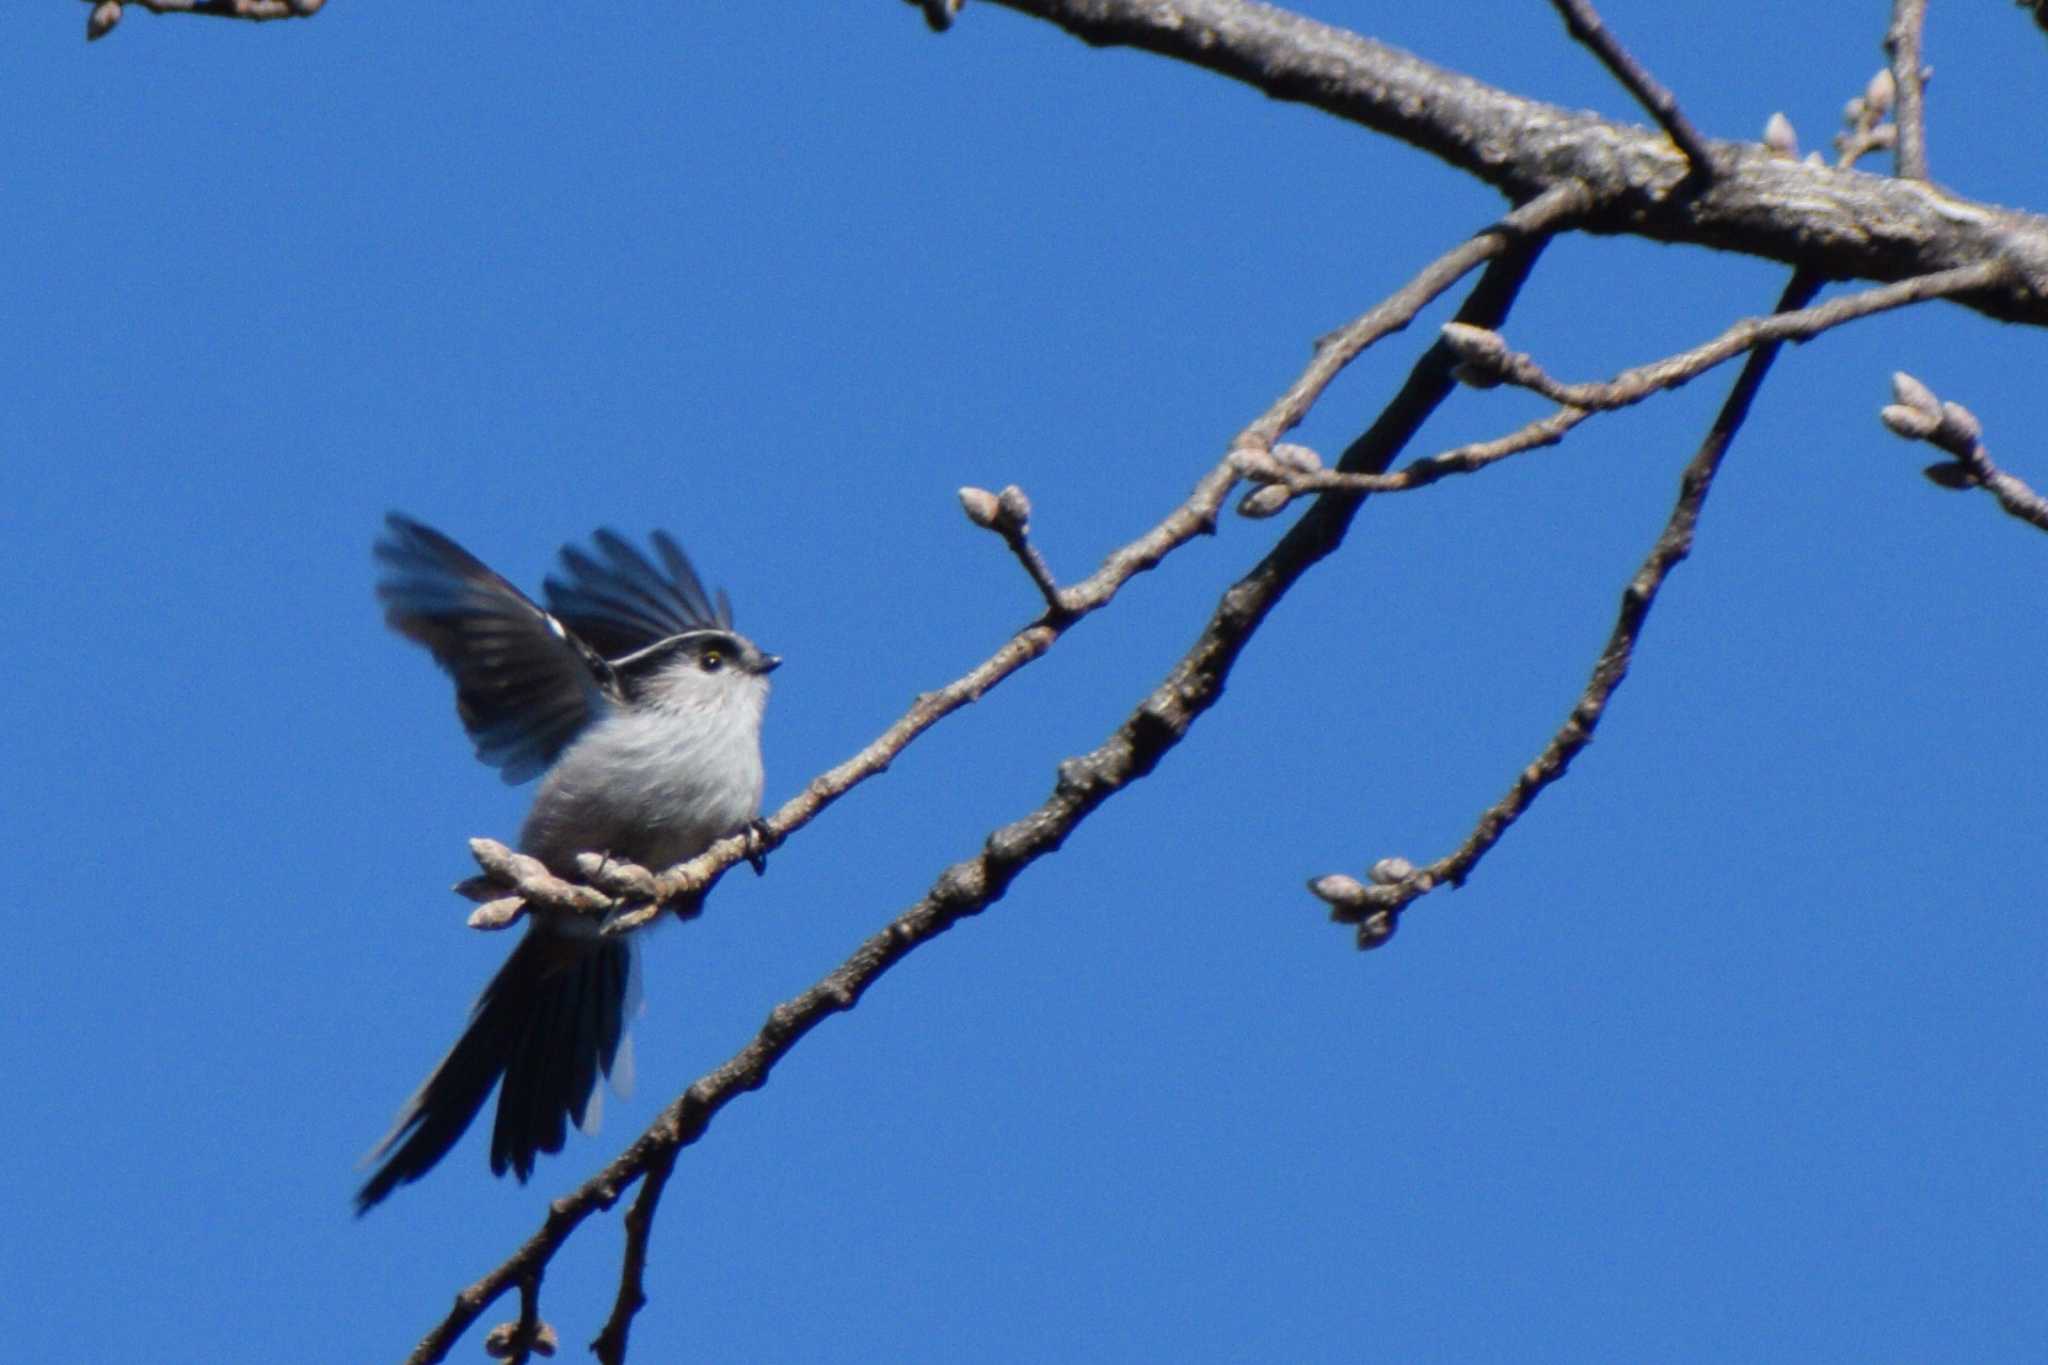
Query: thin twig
{"type": "Point", "coordinates": [1583, 23]}
{"type": "Point", "coordinates": [1544, 431]}
{"type": "Point", "coordinates": [1158, 723]}
{"type": "Point", "coordinates": [1902, 45]}
{"type": "Point", "coordinates": [2012, 492]}
{"type": "Point", "coordinates": [610, 1345]}
{"type": "Point", "coordinates": [1486, 352]}
{"type": "Point", "coordinates": [1866, 121]}
{"type": "Point", "coordinates": [1376, 909]}
{"type": "Point", "coordinates": [1008, 514]}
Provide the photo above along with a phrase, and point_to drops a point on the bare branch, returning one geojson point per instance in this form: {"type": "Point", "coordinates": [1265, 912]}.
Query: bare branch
{"type": "Point", "coordinates": [1583, 23]}
{"type": "Point", "coordinates": [1465, 459]}
{"type": "Point", "coordinates": [1846, 223]}
{"type": "Point", "coordinates": [1376, 909]}
{"type": "Point", "coordinates": [1549, 212]}
{"type": "Point", "coordinates": [1487, 353]}
{"type": "Point", "coordinates": [610, 1345]}
{"type": "Point", "coordinates": [1902, 44]}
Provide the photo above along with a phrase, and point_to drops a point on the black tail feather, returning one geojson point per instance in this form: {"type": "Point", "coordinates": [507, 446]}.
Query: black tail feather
{"type": "Point", "coordinates": [549, 1024]}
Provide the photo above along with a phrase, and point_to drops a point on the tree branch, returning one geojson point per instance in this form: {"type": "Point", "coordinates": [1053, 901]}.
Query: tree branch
{"type": "Point", "coordinates": [1583, 23]}
{"type": "Point", "coordinates": [1376, 909]}
{"type": "Point", "coordinates": [1902, 44]}
{"type": "Point", "coordinates": [1844, 223]}
{"type": "Point", "coordinates": [1487, 353]}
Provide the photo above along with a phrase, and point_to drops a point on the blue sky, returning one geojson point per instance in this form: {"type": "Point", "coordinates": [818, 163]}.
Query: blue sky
{"type": "Point", "coordinates": [1733, 1049]}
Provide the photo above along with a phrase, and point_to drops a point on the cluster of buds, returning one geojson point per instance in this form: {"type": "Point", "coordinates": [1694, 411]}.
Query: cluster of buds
{"type": "Point", "coordinates": [1875, 103]}
{"type": "Point", "coordinates": [1916, 414]}
{"type": "Point", "coordinates": [1273, 471]}
{"type": "Point", "coordinates": [1007, 512]}
{"type": "Point", "coordinates": [1376, 908]}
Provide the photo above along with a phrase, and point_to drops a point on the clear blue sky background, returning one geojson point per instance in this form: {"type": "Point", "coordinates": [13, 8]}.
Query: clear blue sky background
{"type": "Point", "coordinates": [1733, 1050]}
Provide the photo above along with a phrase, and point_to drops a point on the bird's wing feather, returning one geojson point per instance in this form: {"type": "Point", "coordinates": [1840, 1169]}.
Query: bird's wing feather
{"type": "Point", "coordinates": [621, 601]}
{"type": "Point", "coordinates": [525, 685]}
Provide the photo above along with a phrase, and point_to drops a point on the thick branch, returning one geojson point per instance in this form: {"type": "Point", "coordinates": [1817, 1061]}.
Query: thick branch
{"type": "Point", "coordinates": [1842, 223]}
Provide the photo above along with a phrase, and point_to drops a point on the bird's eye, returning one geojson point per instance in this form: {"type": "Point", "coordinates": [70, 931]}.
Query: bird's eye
{"type": "Point", "coordinates": [713, 660]}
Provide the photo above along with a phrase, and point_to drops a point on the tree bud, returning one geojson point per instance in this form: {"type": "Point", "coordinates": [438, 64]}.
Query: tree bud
{"type": "Point", "coordinates": [980, 506]}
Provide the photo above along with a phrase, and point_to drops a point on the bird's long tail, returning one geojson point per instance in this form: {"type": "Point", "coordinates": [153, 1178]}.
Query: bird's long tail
{"type": "Point", "coordinates": [552, 1021]}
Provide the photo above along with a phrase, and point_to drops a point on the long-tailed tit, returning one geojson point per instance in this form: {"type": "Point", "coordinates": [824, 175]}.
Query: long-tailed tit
{"type": "Point", "coordinates": [642, 706]}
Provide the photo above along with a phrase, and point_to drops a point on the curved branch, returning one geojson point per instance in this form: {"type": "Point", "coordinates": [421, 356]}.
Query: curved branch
{"type": "Point", "coordinates": [1844, 224]}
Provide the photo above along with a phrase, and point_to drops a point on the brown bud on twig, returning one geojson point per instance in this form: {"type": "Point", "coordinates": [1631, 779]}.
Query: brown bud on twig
{"type": "Point", "coordinates": [980, 506]}
{"type": "Point", "coordinates": [629, 880]}
{"type": "Point", "coordinates": [1780, 138]}
{"type": "Point", "coordinates": [497, 914]}
{"type": "Point", "coordinates": [502, 1341]}
{"type": "Point", "coordinates": [1881, 92]}
{"type": "Point", "coordinates": [1257, 465]}
{"type": "Point", "coordinates": [1267, 500]}
{"type": "Point", "coordinates": [1914, 394]}
{"type": "Point", "coordinates": [101, 21]}
{"type": "Point", "coordinates": [1481, 354]}
{"type": "Point", "coordinates": [1016, 508]}
{"type": "Point", "coordinates": [1912, 424]}
{"type": "Point", "coordinates": [1476, 346]}
{"type": "Point", "coordinates": [1951, 474]}
{"type": "Point", "coordinates": [1375, 929]}
{"type": "Point", "coordinates": [1335, 888]}
{"type": "Point", "coordinates": [1300, 459]}
{"type": "Point", "coordinates": [1388, 871]}
{"type": "Point", "coordinates": [478, 889]}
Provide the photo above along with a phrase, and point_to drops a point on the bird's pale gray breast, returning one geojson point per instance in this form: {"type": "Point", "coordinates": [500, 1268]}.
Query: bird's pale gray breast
{"type": "Point", "coordinates": [641, 787]}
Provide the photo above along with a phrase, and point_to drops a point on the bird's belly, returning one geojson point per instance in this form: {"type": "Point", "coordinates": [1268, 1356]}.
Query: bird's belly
{"type": "Point", "coordinates": [635, 793]}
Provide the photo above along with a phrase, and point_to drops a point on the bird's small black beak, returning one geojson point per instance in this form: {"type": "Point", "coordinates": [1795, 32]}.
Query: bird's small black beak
{"type": "Point", "coordinates": [770, 662]}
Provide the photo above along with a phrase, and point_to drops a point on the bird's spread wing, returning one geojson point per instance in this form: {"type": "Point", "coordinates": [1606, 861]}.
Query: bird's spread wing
{"type": "Point", "coordinates": [623, 602]}
{"type": "Point", "coordinates": [525, 685]}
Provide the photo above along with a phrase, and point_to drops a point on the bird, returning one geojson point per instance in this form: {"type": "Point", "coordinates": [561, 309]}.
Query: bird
{"type": "Point", "coordinates": [639, 707]}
